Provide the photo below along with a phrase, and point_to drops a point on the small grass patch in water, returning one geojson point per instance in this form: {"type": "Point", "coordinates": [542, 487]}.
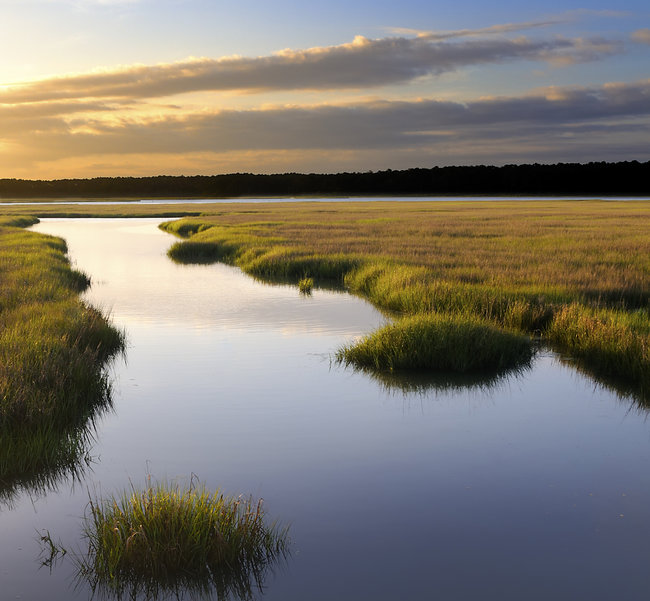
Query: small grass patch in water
{"type": "Point", "coordinates": [305, 285]}
{"type": "Point", "coordinates": [440, 343]}
{"type": "Point", "coordinates": [165, 537]}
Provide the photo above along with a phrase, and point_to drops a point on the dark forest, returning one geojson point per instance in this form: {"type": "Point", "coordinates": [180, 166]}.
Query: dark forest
{"type": "Point", "coordinates": [629, 178]}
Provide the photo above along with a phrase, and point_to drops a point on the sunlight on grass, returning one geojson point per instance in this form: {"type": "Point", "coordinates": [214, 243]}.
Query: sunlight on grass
{"type": "Point", "coordinates": [305, 285]}
{"type": "Point", "coordinates": [53, 350]}
{"type": "Point", "coordinates": [440, 343]}
{"type": "Point", "coordinates": [167, 538]}
{"type": "Point", "coordinates": [536, 267]}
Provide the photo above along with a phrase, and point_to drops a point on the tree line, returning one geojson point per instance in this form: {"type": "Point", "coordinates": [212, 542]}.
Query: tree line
{"type": "Point", "coordinates": [628, 178]}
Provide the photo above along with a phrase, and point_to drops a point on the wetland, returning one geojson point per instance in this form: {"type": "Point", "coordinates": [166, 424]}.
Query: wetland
{"type": "Point", "coordinates": [532, 482]}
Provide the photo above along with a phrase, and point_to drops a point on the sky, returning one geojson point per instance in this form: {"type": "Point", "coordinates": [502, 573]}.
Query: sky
{"type": "Point", "coordinates": [93, 88]}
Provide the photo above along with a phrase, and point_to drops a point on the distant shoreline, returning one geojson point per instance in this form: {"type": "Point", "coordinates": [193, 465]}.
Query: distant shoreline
{"type": "Point", "coordinates": [575, 180]}
{"type": "Point", "coordinates": [82, 200]}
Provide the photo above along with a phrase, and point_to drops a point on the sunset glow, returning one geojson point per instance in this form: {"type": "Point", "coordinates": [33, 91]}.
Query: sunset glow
{"type": "Point", "coordinates": [105, 88]}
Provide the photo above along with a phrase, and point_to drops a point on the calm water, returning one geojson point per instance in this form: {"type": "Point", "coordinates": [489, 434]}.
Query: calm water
{"type": "Point", "coordinates": [535, 488]}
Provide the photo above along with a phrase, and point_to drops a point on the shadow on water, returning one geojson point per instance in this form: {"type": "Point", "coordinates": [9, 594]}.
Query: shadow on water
{"type": "Point", "coordinates": [625, 390]}
{"type": "Point", "coordinates": [422, 382]}
{"type": "Point", "coordinates": [37, 459]}
{"type": "Point", "coordinates": [407, 382]}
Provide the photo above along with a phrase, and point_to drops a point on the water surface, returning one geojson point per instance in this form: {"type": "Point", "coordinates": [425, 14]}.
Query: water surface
{"type": "Point", "coordinates": [537, 487]}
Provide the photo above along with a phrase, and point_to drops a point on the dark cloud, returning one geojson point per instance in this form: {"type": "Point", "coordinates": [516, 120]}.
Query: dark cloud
{"type": "Point", "coordinates": [614, 115]}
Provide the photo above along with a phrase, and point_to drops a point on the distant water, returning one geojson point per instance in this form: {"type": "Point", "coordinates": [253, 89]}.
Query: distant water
{"type": "Point", "coordinates": [321, 199]}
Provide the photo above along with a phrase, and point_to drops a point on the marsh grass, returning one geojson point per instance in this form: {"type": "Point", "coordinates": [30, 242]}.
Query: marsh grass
{"type": "Point", "coordinates": [609, 342]}
{"type": "Point", "coordinates": [51, 551]}
{"type": "Point", "coordinates": [526, 267]}
{"type": "Point", "coordinates": [53, 351]}
{"type": "Point", "coordinates": [593, 250]}
{"type": "Point", "coordinates": [305, 285]}
{"type": "Point", "coordinates": [17, 221]}
{"type": "Point", "coordinates": [71, 211]}
{"type": "Point", "coordinates": [439, 342]}
{"type": "Point", "coordinates": [167, 538]}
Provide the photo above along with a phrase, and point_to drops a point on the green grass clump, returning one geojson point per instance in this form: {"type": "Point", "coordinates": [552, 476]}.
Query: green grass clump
{"type": "Point", "coordinates": [439, 342]}
{"type": "Point", "coordinates": [167, 537]}
{"type": "Point", "coordinates": [305, 285]}
{"type": "Point", "coordinates": [610, 342]}
{"type": "Point", "coordinates": [197, 252]}
{"type": "Point", "coordinates": [18, 221]}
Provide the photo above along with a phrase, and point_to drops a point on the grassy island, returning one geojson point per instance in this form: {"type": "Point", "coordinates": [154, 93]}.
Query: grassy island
{"type": "Point", "coordinates": [573, 273]}
{"type": "Point", "coordinates": [439, 342]}
{"type": "Point", "coordinates": [164, 538]}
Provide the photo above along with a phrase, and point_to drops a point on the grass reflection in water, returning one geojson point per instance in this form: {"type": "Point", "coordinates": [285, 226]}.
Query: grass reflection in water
{"type": "Point", "coordinates": [54, 350]}
{"type": "Point", "coordinates": [166, 541]}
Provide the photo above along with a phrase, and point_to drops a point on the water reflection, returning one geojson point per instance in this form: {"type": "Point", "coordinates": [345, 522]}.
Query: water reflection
{"type": "Point", "coordinates": [422, 383]}
{"type": "Point", "coordinates": [626, 391]}
{"type": "Point", "coordinates": [37, 460]}
{"type": "Point", "coordinates": [244, 583]}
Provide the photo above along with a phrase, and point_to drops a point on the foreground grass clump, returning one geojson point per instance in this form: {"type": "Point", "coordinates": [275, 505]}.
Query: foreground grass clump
{"type": "Point", "coordinates": [53, 350]}
{"type": "Point", "coordinates": [440, 343]}
{"type": "Point", "coordinates": [165, 537]}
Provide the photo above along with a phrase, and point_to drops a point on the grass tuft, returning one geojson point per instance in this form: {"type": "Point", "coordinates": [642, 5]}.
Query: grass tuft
{"type": "Point", "coordinates": [610, 342]}
{"type": "Point", "coordinates": [165, 537]}
{"type": "Point", "coordinates": [305, 285]}
{"type": "Point", "coordinates": [439, 342]}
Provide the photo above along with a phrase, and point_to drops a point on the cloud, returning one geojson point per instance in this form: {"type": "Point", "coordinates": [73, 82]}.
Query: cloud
{"type": "Point", "coordinates": [642, 36]}
{"type": "Point", "coordinates": [614, 116]}
{"type": "Point", "coordinates": [493, 29]}
{"type": "Point", "coordinates": [589, 12]}
{"type": "Point", "coordinates": [50, 109]}
{"type": "Point", "coordinates": [564, 18]}
{"type": "Point", "coordinates": [362, 63]}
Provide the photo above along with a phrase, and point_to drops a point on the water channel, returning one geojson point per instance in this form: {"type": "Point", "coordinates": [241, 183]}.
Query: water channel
{"type": "Point", "coordinates": [536, 486]}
